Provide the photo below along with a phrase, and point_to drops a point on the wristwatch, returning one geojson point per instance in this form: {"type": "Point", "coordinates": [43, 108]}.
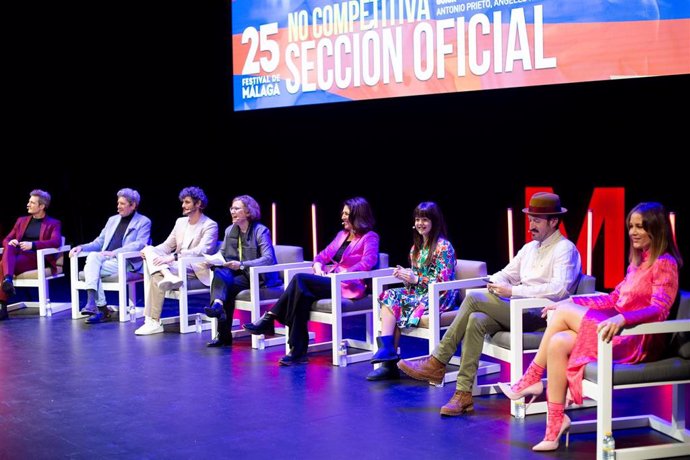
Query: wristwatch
{"type": "Point", "coordinates": [241, 266]}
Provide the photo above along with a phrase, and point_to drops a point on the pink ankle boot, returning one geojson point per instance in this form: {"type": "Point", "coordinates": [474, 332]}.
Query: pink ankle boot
{"type": "Point", "coordinates": [529, 384]}
{"type": "Point", "coordinates": [557, 423]}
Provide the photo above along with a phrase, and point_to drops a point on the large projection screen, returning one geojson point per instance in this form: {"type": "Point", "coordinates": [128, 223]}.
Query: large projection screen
{"type": "Point", "coordinates": [294, 52]}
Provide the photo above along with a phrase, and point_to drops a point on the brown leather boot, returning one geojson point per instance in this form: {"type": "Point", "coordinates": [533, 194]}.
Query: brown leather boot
{"type": "Point", "coordinates": [460, 403]}
{"type": "Point", "coordinates": [430, 369]}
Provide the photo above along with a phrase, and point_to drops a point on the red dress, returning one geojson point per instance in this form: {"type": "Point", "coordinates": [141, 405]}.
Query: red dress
{"type": "Point", "coordinates": [644, 296]}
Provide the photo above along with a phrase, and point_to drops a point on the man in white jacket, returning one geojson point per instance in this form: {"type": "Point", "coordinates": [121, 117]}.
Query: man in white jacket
{"type": "Point", "coordinates": [194, 235]}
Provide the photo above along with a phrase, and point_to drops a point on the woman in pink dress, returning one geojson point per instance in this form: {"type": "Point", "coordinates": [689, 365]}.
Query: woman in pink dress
{"type": "Point", "coordinates": [570, 341]}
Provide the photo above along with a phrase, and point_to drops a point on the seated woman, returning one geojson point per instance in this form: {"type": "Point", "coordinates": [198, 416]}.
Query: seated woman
{"type": "Point", "coordinates": [432, 259]}
{"type": "Point", "coordinates": [247, 243]}
{"type": "Point", "coordinates": [356, 248]}
{"type": "Point", "coordinates": [570, 341]}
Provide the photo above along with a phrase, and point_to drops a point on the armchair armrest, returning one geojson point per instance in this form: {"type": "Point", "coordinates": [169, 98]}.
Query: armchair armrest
{"type": "Point", "coordinates": [605, 349]}
{"type": "Point", "coordinates": [661, 327]}
{"type": "Point", "coordinates": [344, 276]}
{"type": "Point", "coordinates": [527, 303]}
{"type": "Point", "coordinates": [128, 255]}
{"type": "Point", "coordinates": [291, 272]}
{"type": "Point", "coordinates": [47, 251]}
{"type": "Point", "coordinates": [380, 281]}
{"type": "Point", "coordinates": [182, 262]}
{"type": "Point", "coordinates": [439, 287]}
{"type": "Point", "coordinates": [435, 290]}
{"type": "Point", "coordinates": [278, 267]}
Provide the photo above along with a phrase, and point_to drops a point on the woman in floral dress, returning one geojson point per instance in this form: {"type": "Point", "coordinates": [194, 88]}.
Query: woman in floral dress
{"type": "Point", "coordinates": [432, 259]}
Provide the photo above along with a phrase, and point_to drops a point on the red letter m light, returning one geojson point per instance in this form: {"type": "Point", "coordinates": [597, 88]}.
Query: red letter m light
{"type": "Point", "coordinates": [608, 206]}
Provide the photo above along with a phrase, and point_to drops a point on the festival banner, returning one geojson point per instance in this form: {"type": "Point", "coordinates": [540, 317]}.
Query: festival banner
{"type": "Point", "coordinates": [300, 52]}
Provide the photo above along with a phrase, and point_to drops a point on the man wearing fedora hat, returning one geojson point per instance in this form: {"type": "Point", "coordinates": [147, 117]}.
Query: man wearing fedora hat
{"type": "Point", "coordinates": [547, 267]}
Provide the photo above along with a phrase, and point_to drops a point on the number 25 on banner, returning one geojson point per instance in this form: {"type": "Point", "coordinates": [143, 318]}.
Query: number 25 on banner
{"type": "Point", "coordinates": [260, 40]}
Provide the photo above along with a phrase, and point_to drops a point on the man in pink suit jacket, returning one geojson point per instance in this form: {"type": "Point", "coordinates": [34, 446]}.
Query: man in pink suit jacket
{"type": "Point", "coordinates": [29, 234]}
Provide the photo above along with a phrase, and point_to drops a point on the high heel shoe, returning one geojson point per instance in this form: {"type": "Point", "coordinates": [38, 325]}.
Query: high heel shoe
{"type": "Point", "coordinates": [547, 445]}
{"type": "Point", "coordinates": [534, 390]}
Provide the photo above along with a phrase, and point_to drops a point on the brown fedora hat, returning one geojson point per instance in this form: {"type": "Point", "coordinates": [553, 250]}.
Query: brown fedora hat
{"type": "Point", "coordinates": [544, 204]}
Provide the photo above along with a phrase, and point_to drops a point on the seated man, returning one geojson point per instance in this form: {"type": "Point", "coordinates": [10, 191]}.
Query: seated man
{"type": "Point", "coordinates": [194, 235]}
{"type": "Point", "coordinates": [126, 231]}
{"type": "Point", "coordinates": [548, 267]}
{"type": "Point", "coordinates": [29, 234]}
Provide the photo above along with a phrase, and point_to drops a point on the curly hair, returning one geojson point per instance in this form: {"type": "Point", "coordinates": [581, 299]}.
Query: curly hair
{"type": "Point", "coordinates": [196, 194]}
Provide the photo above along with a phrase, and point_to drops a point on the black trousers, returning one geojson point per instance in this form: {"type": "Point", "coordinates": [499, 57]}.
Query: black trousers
{"type": "Point", "coordinates": [293, 307]}
{"type": "Point", "coordinates": [226, 285]}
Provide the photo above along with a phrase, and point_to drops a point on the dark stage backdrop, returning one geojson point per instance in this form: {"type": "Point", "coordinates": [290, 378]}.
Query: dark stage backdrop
{"type": "Point", "coordinates": [114, 91]}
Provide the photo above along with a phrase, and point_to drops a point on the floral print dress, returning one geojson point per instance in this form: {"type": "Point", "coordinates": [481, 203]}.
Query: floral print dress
{"type": "Point", "coordinates": [410, 302]}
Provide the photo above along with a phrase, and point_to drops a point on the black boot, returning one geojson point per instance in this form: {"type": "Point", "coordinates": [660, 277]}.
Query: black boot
{"type": "Point", "coordinates": [8, 286]}
{"type": "Point", "coordinates": [220, 340]}
{"type": "Point", "coordinates": [224, 336]}
{"type": "Point", "coordinates": [216, 310]}
{"type": "Point", "coordinates": [387, 371]}
{"type": "Point", "coordinates": [385, 351]}
{"type": "Point", "coordinates": [264, 325]}
{"type": "Point", "coordinates": [3, 312]}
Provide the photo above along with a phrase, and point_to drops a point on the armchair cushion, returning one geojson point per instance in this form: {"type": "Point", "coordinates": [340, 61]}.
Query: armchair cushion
{"type": "Point", "coordinates": [33, 274]}
{"type": "Point", "coordinates": [530, 340]}
{"type": "Point", "coordinates": [348, 305]}
{"type": "Point", "coordinates": [680, 342]}
{"type": "Point", "coordinates": [656, 371]}
{"type": "Point", "coordinates": [265, 293]}
{"type": "Point", "coordinates": [447, 317]}
{"type": "Point", "coordinates": [131, 276]}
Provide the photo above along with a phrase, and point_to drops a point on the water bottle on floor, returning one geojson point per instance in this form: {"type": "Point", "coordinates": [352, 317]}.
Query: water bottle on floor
{"type": "Point", "coordinates": [342, 353]}
{"type": "Point", "coordinates": [519, 409]}
{"type": "Point", "coordinates": [132, 314]}
{"type": "Point", "coordinates": [197, 323]}
{"type": "Point", "coordinates": [49, 308]}
{"type": "Point", "coordinates": [609, 447]}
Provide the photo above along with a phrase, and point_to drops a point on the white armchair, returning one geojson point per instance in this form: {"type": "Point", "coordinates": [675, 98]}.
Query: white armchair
{"type": "Point", "coordinates": [40, 279]}
{"type": "Point", "coordinates": [602, 377]}
{"type": "Point", "coordinates": [123, 282]}
{"type": "Point", "coordinates": [468, 274]}
{"type": "Point", "coordinates": [510, 346]}
{"type": "Point", "coordinates": [190, 286]}
{"type": "Point", "coordinates": [333, 310]}
{"type": "Point", "coordinates": [255, 298]}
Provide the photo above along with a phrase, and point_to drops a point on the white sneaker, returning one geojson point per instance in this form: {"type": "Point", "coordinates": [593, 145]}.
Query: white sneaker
{"type": "Point", "coordinates": [151, 326]}
{"type": "Point", "coordinates": [169, 282]}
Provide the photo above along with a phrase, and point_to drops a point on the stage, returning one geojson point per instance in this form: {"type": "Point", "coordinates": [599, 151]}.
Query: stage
{"type": "Point", "coordinates": [72, 390]}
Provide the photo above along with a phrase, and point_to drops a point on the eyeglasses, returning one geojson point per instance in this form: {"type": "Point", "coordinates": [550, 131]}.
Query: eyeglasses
{"type": "Point", "coordinates": [234, 208]}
